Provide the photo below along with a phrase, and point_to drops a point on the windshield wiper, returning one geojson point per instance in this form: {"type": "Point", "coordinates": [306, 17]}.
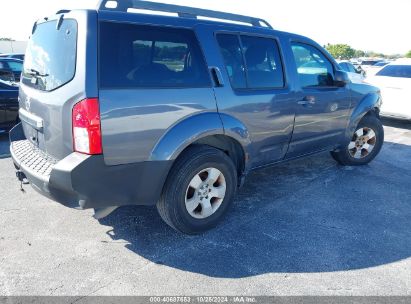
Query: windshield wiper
{"type": "Point", "coordinates": [36, 73]}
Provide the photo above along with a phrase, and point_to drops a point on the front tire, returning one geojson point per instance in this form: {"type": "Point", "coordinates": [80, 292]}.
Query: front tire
{"type": "Point", "coordinates": [365, 144]}
{"type": "Point", "coordinates": [199, 190]}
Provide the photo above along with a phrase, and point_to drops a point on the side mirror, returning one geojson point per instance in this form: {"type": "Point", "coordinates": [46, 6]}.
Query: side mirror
{"type": "Point", "coordinates": [341, 79]}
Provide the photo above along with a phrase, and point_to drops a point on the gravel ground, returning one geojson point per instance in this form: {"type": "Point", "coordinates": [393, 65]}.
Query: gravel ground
{"type": "Point", "coordinates": [307, 227]}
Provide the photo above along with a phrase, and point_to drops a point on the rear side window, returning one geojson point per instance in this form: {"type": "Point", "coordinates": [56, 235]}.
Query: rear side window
{"type": "Point", "coordinates": [403, 71]}
{"type": "Point", "coordinates": [313, 68]}
{"type": "Point", "coordinates": [150, 57]}
{"type": "Point", "coordinates": [251, 62]}
{"type": "Point", "coordinates": [50, 60]}
{"type": "Point", "coordinates": [230, 48]}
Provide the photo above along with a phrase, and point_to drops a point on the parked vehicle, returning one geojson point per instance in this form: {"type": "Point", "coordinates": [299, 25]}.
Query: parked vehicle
{"type": "Point", "coordinates": [394, 80]}
{"type": "Point", "coordinates": [373, 69]}
{"type": "Point", "coordinates": [140, 109]}
{"type": "Point", "coordinates": [13, 56]}
{"type": "Point", "coordinates": [368, 66]}
{"type": "Point", "coordinates": [8, 101]}
{"type": "Point", "coordinates": [369, 62]}
{"type": "Point", "coordinates": [380, 64]}
{"type": "Point", "coordinates": [355, 75]}
{"type": "Point", "coordinates": [14, 65]}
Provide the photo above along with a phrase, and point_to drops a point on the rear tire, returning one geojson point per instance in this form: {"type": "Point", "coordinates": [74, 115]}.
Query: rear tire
{"type": "Point", "coordinates": [365, 144]}
{"type": "Point", "coordinates": [199, 190]}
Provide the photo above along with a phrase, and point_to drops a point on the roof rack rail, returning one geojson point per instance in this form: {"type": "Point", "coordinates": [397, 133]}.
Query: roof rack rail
{"type": "Point", "coordinates": [181, 11]}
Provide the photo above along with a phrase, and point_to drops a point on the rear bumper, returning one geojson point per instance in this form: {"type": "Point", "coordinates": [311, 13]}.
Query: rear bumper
{"type": "Point", "coordinates": [85, 181]}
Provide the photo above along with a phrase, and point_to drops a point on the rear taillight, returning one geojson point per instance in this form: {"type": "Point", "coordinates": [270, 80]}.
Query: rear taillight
{"type": "Point", "coordinates": [86, 127]}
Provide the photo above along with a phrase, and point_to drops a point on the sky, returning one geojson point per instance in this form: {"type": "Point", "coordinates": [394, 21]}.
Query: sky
{"type": "Point", "coordinates": [370, 25]}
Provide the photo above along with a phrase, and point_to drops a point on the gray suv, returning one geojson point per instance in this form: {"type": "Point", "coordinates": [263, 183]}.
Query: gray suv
{"type": "Point", "coordinates": [122, 108]}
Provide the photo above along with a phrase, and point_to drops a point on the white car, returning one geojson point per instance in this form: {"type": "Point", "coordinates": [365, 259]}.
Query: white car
{"type": "Point", "coordinates": [394, 80]}
{"type": "Point", "coordinates": [354, 74]}
{"type": "Point", "coordinates": [373, 69]}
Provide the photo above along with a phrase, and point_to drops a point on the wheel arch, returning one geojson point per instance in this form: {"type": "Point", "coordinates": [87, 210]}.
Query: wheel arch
{"type": "Point", "coordinates": [369, 105]}
{"type": "Point", "coordinates": [222, 132]}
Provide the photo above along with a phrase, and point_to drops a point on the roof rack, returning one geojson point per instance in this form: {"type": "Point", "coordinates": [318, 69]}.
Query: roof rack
{"type": "Point", "coordinates": [181, 11]}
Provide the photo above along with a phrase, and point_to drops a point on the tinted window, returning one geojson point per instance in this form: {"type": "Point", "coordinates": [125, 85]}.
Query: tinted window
{"type": "Point", "coordinates": [264, 68]}
{"type": "Point", "coordinates": [348, 67]}
{"type": "Point", "coordinates": [314, 69]}
{"type": "Point", "coordinates": [344, 66]}
{"type": "Point", "coordinates": [6, 76]}
{"type": "Point", "coordinates": [396, 71]}
{"type": "Point", "coordinates": [380, 64]}
{"type": "Point", "coordinates": [50, 60]}
{"type": "Point", "coordinates": [351, 68]}
{"type": "Point", "coordinates": [369, 62]}
{"type": "Point", "coordinates": [15, 66]}
{"type": "Point", "coordinates": [146, 56]}
{"type": "Point", "coordinates": [233, 58]}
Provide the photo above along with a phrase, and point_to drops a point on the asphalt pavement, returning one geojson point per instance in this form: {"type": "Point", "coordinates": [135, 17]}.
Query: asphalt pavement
{"type": "Point", "coordinates": [308, 227]}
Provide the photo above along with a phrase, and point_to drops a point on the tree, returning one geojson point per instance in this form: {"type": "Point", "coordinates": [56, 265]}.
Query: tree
{"type": "Point", "coordinates": [341, 51]}
{"type": "Point", "coordinates": [408, 55]}
{"type": "Point", "coordinates": [359, 53]}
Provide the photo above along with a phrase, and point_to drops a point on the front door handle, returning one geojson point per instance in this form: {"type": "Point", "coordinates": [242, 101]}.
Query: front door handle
{"type": "Point", "coordinates": [307, 101]}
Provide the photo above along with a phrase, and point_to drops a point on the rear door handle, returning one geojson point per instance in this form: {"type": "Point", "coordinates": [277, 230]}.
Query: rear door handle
{"type": "Point", "coordinates": [217, 76]}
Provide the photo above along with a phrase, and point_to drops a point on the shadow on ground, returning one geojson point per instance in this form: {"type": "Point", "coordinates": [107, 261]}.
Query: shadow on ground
{"type": "Point", "coordinates": [307, 216]}
{"type": "Point", "coordinates": [4, 145]}
{"type": "Point", "coordinates": [397, 123]}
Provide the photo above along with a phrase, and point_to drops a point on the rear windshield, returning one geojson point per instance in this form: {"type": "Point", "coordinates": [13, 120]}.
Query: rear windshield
{"type": "Point", "coordinates": [403, 71]}
{"type": "Point", "coordinates": [50, 60]}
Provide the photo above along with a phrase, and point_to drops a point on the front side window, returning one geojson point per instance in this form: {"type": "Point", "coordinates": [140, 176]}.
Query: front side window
{"type": "Point", "coordinates": [263, 62]}
{"type": "Point", "coordinates": [150, 57]}
{"type": "Point", "coordinates": [313, 68]}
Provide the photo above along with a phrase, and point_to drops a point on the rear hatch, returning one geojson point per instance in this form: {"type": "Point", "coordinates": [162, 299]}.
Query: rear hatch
{"type": "Point", "coordinates": [60, 69]}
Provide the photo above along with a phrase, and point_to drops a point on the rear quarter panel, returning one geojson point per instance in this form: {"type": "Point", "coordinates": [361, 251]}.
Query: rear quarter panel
{"type": "Point", "coordinates": [134, 120]}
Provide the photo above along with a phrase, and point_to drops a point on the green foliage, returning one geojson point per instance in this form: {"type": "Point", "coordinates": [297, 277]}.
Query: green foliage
{"type": "Point", "coordinates": [344, 51]}
{"type": "Point", "coordinates": [359, 53]}
{"type": "Point", "coordinates": [408, 55]}
{"type": "Point", "coordinates": [341, 51]}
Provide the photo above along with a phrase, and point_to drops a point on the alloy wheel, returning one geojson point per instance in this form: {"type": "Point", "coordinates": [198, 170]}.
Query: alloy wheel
{"type": "Point", "coordinates": [362, 143]}
{"type": "Point", "coordinates": [205, 193]}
